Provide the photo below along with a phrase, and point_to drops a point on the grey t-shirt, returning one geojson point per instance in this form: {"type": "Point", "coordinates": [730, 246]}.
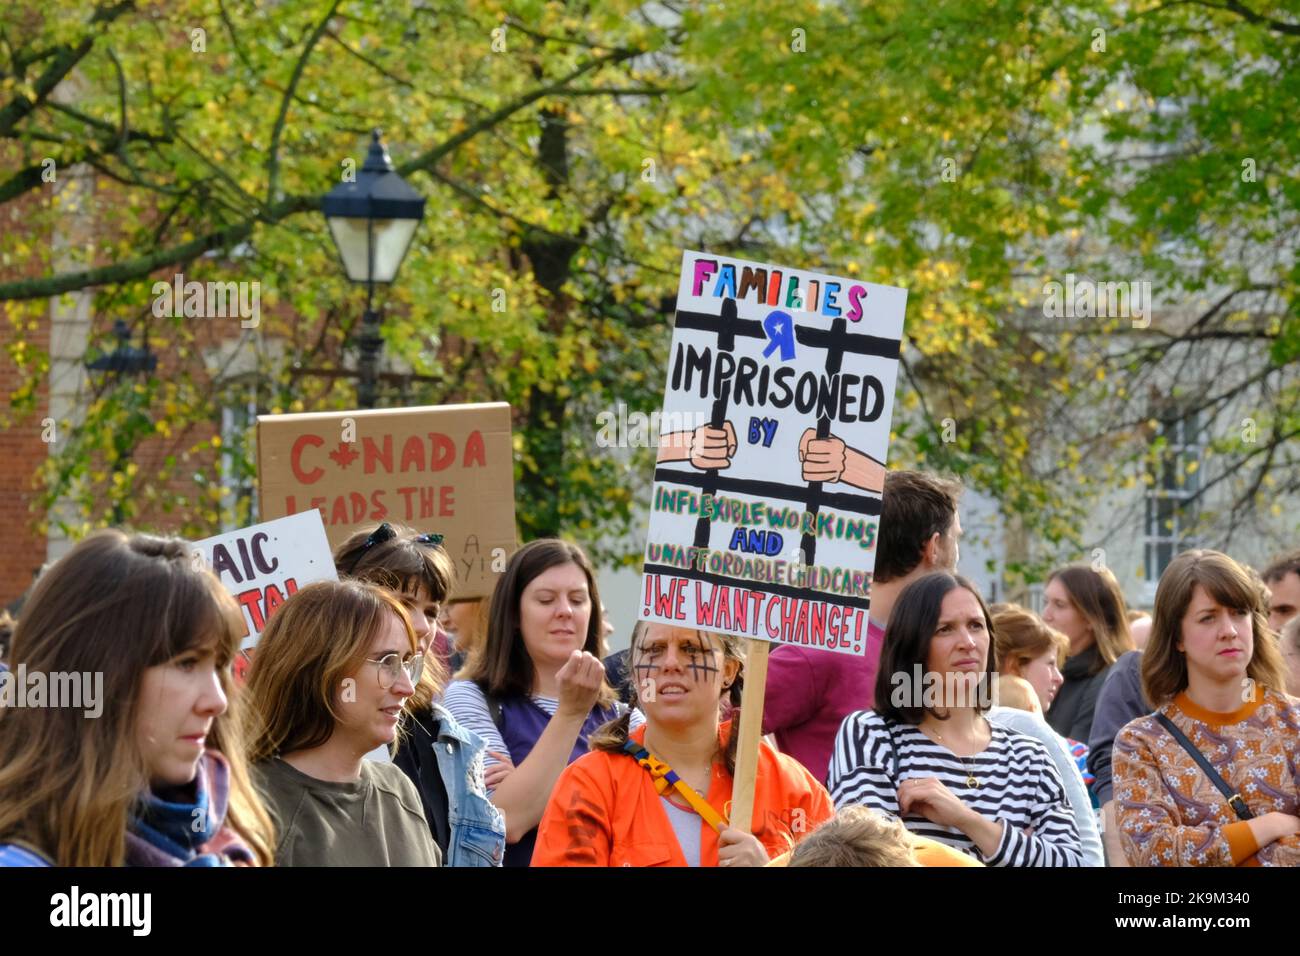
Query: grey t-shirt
{"type": "Point", "coordinates": [686, 824]}
{"type": "Point", "coordinates": [376, 820]}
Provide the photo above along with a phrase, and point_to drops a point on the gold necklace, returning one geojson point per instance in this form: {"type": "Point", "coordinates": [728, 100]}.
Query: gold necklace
{"type": "Point", "coordinates": [971, 782]}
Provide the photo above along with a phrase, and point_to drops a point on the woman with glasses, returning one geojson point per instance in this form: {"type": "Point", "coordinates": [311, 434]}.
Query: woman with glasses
{"type": "Point", "coordinates": [333, 670]}
{"type": "Point", "coordinates": [538, 690]}
{"type": "Point", "coordinates": [442, 758]}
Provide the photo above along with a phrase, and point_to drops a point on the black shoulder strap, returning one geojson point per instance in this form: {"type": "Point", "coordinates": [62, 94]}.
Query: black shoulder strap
{"type": "Point", "coordinates": [1234, 799]}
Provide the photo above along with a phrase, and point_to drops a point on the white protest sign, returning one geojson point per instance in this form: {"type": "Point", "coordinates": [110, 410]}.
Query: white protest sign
{"type": "Point", "coordinates": [264, 564]}
{"type": "Point", "coordinates": [771, 462]}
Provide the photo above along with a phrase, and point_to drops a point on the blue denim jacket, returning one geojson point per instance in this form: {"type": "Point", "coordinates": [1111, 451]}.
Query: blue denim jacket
{"type": "Point", "coordinates": [478, 828]}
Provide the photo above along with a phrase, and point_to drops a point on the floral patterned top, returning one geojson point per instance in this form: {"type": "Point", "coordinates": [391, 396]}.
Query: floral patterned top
{"type": "Point", "coordinates": [1170, 814]}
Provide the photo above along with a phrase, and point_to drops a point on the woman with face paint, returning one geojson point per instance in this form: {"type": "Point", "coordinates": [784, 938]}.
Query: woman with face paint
{"type": "Point", "coordinates": [660, 794]}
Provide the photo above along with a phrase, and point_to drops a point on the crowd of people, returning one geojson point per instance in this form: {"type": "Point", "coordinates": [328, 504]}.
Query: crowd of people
{"type": "Point", "coordinates": [383, 722]}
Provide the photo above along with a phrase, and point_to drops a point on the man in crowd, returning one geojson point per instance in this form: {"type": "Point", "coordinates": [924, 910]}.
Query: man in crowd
{"type": "Point", "coordinates": [1283, 580]}
{"type": "Point", "coordinates": [809, 692]}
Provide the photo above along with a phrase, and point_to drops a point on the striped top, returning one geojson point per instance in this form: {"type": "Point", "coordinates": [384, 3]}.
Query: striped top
{"type": "Point", "coordinates": [1018, 785]}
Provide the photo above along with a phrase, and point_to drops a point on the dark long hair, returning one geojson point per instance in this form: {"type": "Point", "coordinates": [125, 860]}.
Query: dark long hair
{"type": "Point", "coordinates": [1100, 601]}
{"type": "Point", "coordinates": [907, 643]}
{"type": "Point", "coordinates": [504, 669]}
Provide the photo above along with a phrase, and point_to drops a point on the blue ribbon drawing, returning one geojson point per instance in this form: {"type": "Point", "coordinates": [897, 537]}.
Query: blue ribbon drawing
{"type": "Point", "coordinates": [780, 332]}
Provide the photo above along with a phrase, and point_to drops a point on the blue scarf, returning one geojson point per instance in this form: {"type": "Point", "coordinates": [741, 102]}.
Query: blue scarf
{"type": "Point", "coordinates": [177, 832]}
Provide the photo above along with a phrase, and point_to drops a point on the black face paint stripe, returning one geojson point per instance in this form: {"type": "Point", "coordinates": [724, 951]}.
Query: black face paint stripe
{"type": "Point", "coordinates": [701, 665]}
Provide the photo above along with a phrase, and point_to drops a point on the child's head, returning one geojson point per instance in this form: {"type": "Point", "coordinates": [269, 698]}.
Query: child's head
{"type": "Point", "coordinates": [856, 836]}
{"type": "Point", "coordinates": [1018, 693]}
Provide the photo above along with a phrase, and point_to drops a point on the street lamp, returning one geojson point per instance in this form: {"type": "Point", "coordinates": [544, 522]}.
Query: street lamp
{"type": "Point", "coordinates": [372, 220]}
{"type": "Point", "coordinates": [124, 360]}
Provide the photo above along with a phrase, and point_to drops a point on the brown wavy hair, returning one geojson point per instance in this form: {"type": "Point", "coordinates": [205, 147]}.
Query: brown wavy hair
{"type": "Point", "coordinates": [1020, 636]}
{"type": "Point", "coordinates": [116, 604]}
{"type": "Point", "coordinates": [504, 669]}
{"type": "Point", "coordinates": [1164, 666]}
{"type": "Point", "coordinates": [1097, 596]}
{"type": "Point", "coordinates": [313, 642]}
{"type": "Point", "coordinates": [612, 736]}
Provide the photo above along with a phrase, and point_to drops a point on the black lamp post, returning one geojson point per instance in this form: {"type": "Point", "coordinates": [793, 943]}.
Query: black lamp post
{"type": "Point", "coordinates": [372, 221]}
{"type": "Point", "coordinates": [124, 360]}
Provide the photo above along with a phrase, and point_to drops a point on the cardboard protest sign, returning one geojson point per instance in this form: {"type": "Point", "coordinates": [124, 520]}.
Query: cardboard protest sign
{"type": "Point", "coordinates": [771, 461]}
{"type": "Point", "coordinates": [264, 564]}
{"type": "Point", "coordinates": [447, 469]}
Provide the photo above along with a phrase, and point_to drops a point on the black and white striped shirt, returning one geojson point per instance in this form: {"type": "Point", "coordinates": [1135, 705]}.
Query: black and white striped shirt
{"type": "Point", "coordinates": [1018, 786]}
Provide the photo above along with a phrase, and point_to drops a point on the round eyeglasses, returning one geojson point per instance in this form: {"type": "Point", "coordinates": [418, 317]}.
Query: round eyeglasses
{"type": "Point", "coordinates": [392, 665]}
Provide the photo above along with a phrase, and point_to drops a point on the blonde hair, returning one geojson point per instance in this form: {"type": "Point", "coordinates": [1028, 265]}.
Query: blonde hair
{"type": "Point", "coordinates": [116, 604]}
{"type": "Point", "coordinates": [856, 836]}
{"type": "Point", "coordinates": [313, 642]}
{"type": "Point", "coordinates": [473, 642]}
{"type": "Point", "coordinates": [1015, 691]}
{"type": "Point", "coordinates": [1164, 666]}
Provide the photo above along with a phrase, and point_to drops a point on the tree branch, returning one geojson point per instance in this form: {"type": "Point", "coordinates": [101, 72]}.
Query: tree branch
{"type": "Point", "coordinates": [13, 112]}
{"type": "Point", "coordinates": [273, 153]}
{"type": "Point", "coordinates": [426, 160]}
{"type": "Point", "coordinates": [141, 266]}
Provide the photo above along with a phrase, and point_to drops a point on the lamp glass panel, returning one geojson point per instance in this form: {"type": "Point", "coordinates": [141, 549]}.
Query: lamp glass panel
{"type": "Point", "coordinates": [392, 236]}
{"type": "Point", "coordinates": [350, 237]}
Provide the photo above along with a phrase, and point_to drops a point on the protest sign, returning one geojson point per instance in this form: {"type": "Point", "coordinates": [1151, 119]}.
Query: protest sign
{"type": "Point", "coordinates": [264, 564]}
{"type": "Point", "coordinates": [770, 468]}
{"type": "Point", "coordinates": [446, 469]}
{"type": "Point", "coordinates": [772, 451]}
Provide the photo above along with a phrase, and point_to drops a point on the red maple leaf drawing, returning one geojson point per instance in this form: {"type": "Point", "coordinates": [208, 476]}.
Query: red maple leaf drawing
{"type": "Point", "coordinates": [344, 456]}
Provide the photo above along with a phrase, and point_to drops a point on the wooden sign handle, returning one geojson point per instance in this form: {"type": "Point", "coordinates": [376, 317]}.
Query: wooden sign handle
{"type": "Point", "coordinates": [751, 732]}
